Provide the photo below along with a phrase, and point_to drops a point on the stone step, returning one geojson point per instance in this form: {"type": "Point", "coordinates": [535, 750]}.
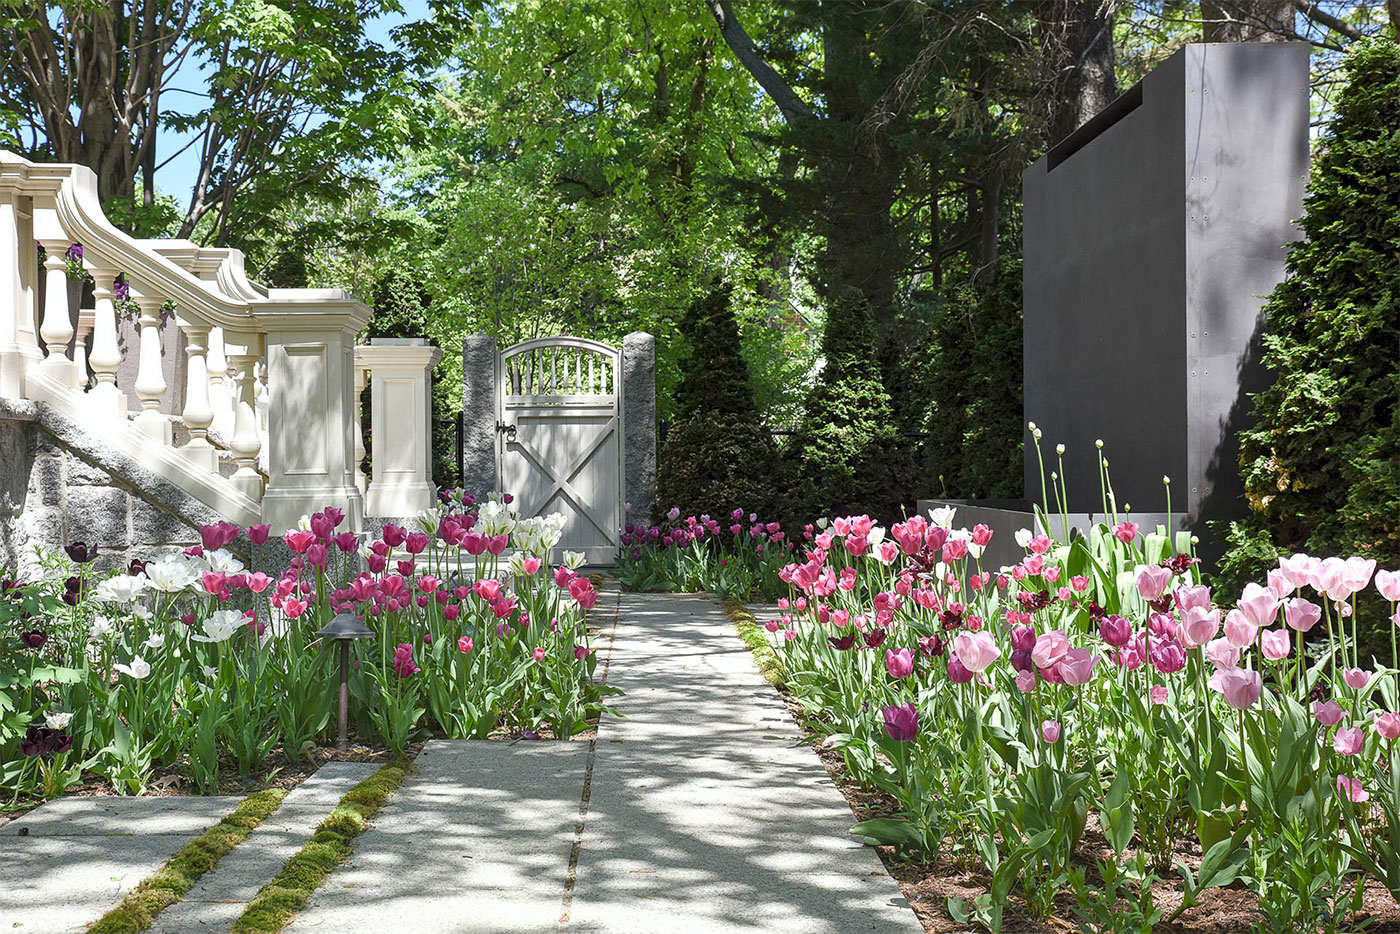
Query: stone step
{"type": "Point", "coordinates": [218, 899]}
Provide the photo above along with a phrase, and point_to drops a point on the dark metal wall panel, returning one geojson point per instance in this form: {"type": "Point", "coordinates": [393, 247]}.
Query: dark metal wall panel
{"type": "Point", "coordinates": [1150, 235]}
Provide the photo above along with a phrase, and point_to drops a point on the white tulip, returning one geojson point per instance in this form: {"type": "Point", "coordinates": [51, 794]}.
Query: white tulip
{"type": "Point", "coordinates": [156, 640]}
{"type": "Point", "coordinates": [58, 721]}
{"type": "Point", "coordinates": [220, 626]}
{"type": "Point", "coordinates": [942, 517]}
{"type": "Point", "coordinates": [124, 588]}
{"type": "Point", "coordinates": [138, 668]}
{"type": "Point", "coordinates": [573, 559]}
{"type": "Point", "coordinates": [1023, 537]}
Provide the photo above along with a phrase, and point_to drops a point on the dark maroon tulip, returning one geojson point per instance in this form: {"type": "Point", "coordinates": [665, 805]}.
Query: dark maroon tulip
{"type": "Point", "coordinates": [932, 646]}
{"type": "Point", "coordinates": [136, 567]}
{"type": "Point", "coordinates": [34, 742]}
{"type": "Point", "coordinates": [80, 552]}
{"type": "Point", "coordinates": [874, 637]}
{"type": "Point", "coordinates": [34, 638]}
{"type": "Point", "coordinates": [844, 642]}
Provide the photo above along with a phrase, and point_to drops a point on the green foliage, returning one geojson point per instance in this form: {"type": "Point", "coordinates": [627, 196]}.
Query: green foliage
{"type": "Point", "coordinates": [850, 457]}
{"type": "Point", "coordinates": [1322, 465]}
{"type": "Point", "coordinates": [718, 454]}
{"type": "Point", "coordinates": [972, 364]}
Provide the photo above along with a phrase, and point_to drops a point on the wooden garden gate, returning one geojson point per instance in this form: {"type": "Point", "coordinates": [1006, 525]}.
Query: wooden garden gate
{"type": "Point", "coordinates": [559, 430]}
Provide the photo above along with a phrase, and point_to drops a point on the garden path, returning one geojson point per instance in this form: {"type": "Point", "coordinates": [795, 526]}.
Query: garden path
{"type": "Point", "coordinates": [702, 810]}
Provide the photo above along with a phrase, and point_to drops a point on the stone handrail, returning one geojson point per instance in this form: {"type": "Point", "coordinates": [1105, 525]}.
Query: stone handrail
{"type": "Point", "coordinates": [268, 370]}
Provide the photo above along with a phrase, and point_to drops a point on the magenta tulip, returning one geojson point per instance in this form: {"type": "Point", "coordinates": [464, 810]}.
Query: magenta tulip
{"type": "Point", "coordinates": [899, 662]}
{"type": "Point", "coordinates": [1115, 630]}
{"type": "Point", "coordinates": [958, 673]}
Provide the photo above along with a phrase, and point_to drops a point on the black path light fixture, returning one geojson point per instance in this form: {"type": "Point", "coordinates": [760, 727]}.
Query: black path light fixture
{"type": "Point", "coordinates": [342, 628]}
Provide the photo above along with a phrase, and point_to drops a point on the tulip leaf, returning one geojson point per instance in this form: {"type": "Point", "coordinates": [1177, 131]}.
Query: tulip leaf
{"type": "Point", "coordinates": [889, 831]}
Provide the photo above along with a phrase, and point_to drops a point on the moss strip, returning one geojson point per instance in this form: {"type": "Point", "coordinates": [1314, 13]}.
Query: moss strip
{"type": "Point", "coordinates": [754, 636]}
{"type": "Point", "coordinates": [276, 902]}
{"type": "Point", "coordinates": [168, 884]}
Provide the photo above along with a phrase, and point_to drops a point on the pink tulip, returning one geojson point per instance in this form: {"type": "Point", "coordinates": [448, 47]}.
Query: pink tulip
{"type": "Point", "coordinates": [1050, 731]}
{"type": "Point", "coordinates": [1328, 713]}
{"type": "Point", "coordinates": [1329, 577]}
{"type": "Point", "coordinates": [1222, 653]}
{"type": "Point", "coordinates": [1025, 681]}
{"type": "Point", "coordinates": [1192, 595]}
{"type": "Point", "coordinates": [293, 607]}
{"type": "Point", "coordinates": [1279, 584]}
{"type": "Point", "coordinates": [1158, 694]}
{"type": "Point", "coordinates": [464, 645]}
{"type": "Point", "coordinates": [1199, 625]}
{"type": "Point", "coordinates": [1241, 686]}
{"type": "Point", "coordinates": [531, 564]}
{"type": "Point", "coordinates": [976, 650]}
{"type": "Point", "coordinates": [899, 663]}
{"type": "Point", "coordinates": [1388, 724]}
{"type": "Point", "coordinates": [1077, 667]}
{"type": "Point", "coordinates": [1356, 679]}
{"type": "Point", "coordinates": [1240, 630]}
{"type": "Point", "coordinates": [1301, 614]}
{"type": "Point", "coordinates": [1151, 581]}
{"type": "Point", "coordinates": [1050, 648]}
{"type": "Point", "coordinates": [1356, 573]}
{"type": "Point", "coordinates": [1349, 740]}
{"type": "Point", "coordinates": [1125, 532]}
{"type": "Point", "coordinates": [539, 653]}
{"type": "Point", "coordinates": [1275, 644]}
{"type": "Point", "coordinates": [1353, 789]}
{"type": "Point", "coordinates": [1299, 569]}
{"type": "Point", "coordinates": [1258, 605]}
{"type": "Point", "coordinates": [1388, 584]}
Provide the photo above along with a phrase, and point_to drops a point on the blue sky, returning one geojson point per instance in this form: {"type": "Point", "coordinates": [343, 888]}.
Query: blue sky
{"type": "Point", "coordinates": [177, 177]}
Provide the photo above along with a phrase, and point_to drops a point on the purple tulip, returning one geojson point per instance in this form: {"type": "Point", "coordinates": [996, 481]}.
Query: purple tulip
{"type": "Point", "coordinates": [1023, 639]}
{"type": "Point", "coordinates": [902, 722]}
{"type": "Point", "coordinates": [1116, 631]}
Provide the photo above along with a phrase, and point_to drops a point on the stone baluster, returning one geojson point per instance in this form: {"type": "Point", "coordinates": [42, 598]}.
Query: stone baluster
{"type": "Point", "coordinates": [78, 373]}
{"type": "Point", "coordinates": [262, 393]}
{"type": "Point", "coordinates": [150, 384]}
{"type": "Point", "coordinates": [106, 399]}
{"type": "Point", "coordinates": [361, 479]}
{"type": "Point", "coordinates": [246, 442]}
{"type": "Point", "coordinates": [57, 327]}
{"type": "Point", "coordinates": [198, 414]}
{"type": "Point", "coordinates": [221, 393]}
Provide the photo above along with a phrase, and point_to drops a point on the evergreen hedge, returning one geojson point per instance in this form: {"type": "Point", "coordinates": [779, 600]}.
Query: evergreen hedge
{"type": "Point", "coordinates": [849, 453]}
{"type": "Point", "coordinates": [718, 455]}
{"type": "Point", "coordinates": [1322, 464]}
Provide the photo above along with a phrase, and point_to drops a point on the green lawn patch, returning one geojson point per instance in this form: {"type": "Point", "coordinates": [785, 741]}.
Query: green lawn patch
{"type": "Point", "coordinates": [284, 896]}
{"type": "Point", "coordinates": [754, 636]}
{"type": "Point", "coordinates": [168, 884]}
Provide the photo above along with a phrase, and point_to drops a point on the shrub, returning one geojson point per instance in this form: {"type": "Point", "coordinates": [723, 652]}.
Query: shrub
{"type": "Point", "coordinates": [718, 454]}
{"type": "Point", "coordinates": [1322, 465]}
{"type": "Point", "coordinates": [849, 454]}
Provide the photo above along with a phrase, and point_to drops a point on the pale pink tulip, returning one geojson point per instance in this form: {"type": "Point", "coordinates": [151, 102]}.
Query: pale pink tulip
{"type": "Point", "coordinates": [1025, 681]}
{"type": "Point", "coordinates": [1258, 605]}
{"type": "Point", "coordinates": [1328, 713]}
{"type": "Point", "coordinates": [1353, 789]}
{"type": "Point", "coordinates": [1158, 694]}
{"type": "Point", "coordinates": [1301, 614]}
{"type": "Point", "coordinates": [1356, 679]}
{"type": "Point", "coordinates": [1192, 595]}
{"type": "Point", "coordinates": [1349, 740]}
{"type": "Point", "coordinates": [1279, 584]}
{"type": "Point", "coordinates": [1240, 630]}
{"type": "Point", "coordinates": [1298, 569]}
{"type": "Point", "coordinates": [1151, 580]}
{"type": "Point", "coordinates": [1050, 731]}
{"type": "Point", "coordinates": [1388, 583]}
{"type": "Point", "coordinates": [1222, 653]}
{"type": "Point", "coordinates": [1241, 686]}
{"type": "Point", "coordinates": [1356, 573]}
{"type": "Point", "coordinates": [1329, 577]}
{"type": "Point", "coordinates": [1388, 724]}
{"type": "Point", "coordinates": [1050, 648]}
{"type": "Point", "coordinates": [976, 650]}
{"type": "Point", "coordinates": [1275, 644]}
{"type": "Point", "coordinates": [1199, 625]}
{"type": "Point", "coordinates": [1077, 667]}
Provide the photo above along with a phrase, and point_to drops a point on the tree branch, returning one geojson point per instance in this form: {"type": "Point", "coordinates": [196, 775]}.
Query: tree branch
{"type": "Point", "coordinates": [789, 104]}
{"type": "Point", "coordinates": [1320, 16]}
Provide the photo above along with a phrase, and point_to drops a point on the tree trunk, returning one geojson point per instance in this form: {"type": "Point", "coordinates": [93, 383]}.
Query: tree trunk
{"type": "Point", "coordinates": [1076, 39]}
{"type": "Point", "coordinates": [1248, 20]}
